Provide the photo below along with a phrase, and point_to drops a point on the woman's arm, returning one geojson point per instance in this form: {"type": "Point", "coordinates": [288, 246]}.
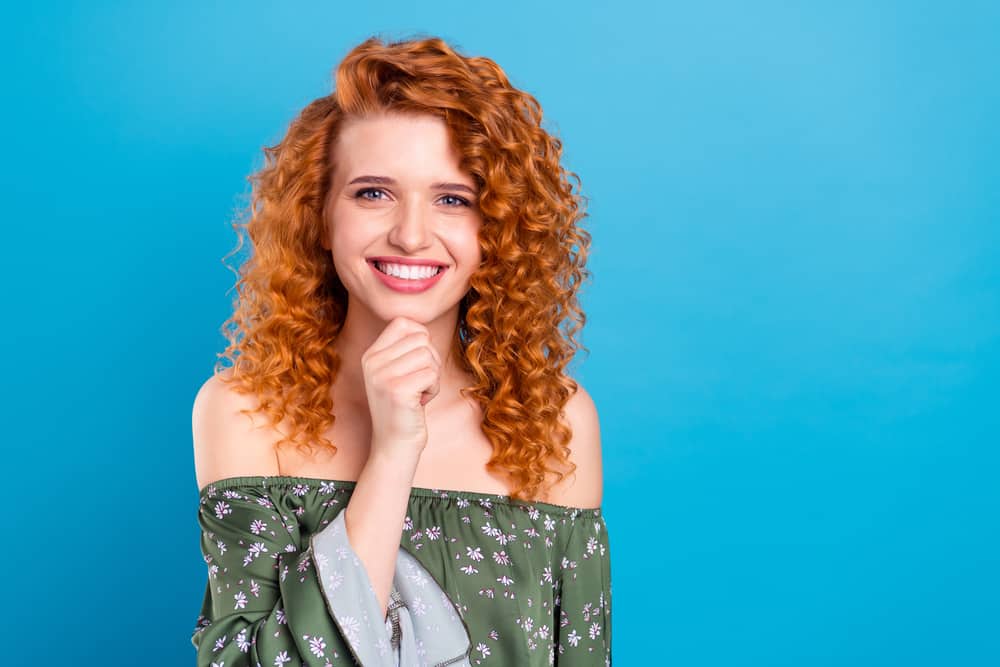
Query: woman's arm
{"type": "Point", "coordinates": [401, 372]}
{"type": "Point", "coordinates": [375, 513]}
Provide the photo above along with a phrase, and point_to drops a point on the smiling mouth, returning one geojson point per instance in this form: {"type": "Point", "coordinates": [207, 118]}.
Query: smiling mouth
{"type": "Point", "coordinates": [403, 274]}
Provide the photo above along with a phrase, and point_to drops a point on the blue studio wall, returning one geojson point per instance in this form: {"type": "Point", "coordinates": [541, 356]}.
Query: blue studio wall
{"type": "Point", "coordinates": [793, 325]}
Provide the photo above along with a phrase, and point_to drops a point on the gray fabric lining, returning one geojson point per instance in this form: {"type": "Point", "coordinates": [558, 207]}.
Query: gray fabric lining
{"type": "Point", "coordinates": [422, 628]}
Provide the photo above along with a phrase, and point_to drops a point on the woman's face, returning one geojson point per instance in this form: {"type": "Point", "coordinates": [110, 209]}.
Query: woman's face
{"type": "Point", "coordinates": [397, 191]}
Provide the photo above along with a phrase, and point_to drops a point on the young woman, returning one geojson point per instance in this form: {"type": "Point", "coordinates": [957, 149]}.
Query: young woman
{"type": "Point", "coordinates": [396, 469]}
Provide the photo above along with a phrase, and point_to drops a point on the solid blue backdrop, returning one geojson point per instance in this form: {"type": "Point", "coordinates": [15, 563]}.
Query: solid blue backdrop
{"type": "Point", "coordinates": [794, 323]}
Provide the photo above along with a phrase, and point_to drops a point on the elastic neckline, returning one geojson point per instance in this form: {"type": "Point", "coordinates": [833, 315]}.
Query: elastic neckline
{"type": "Point", "coordinates": [267, 481]}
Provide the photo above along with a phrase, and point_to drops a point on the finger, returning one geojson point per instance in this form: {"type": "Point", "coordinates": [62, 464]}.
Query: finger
{"type": "Point", "coordinates": [396, 330]}
{"type": "Point", "coordinates": [411, 361]}
{"type": "Point", "coordinates": [421, 383]}
{"type": "Point", "coordinates": [416, 340]}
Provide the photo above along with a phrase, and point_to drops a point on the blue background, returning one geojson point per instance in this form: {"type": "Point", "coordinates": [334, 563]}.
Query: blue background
{"type": "Point", "coordinates": [794, 322]}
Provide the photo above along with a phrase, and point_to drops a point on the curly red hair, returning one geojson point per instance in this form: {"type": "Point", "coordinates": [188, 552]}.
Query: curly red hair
{"type": "Point", "coordinates": [517, 323]}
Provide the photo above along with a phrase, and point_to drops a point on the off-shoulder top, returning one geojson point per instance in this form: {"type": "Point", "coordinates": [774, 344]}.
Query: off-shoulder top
{"type": "Point", "coordinates": [480, 579]}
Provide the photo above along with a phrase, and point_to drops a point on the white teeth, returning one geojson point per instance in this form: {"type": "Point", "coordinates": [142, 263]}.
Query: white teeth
{"type": "Point", "coordinates": [408, 272]}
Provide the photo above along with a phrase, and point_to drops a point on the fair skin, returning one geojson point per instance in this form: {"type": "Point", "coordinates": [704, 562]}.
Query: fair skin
{"type": "Point", "coordinates": [400, 419]}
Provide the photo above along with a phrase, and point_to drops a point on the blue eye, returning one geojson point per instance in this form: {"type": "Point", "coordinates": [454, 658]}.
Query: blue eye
{"type": "Point", "coordinates": [359, 193]}
{"type": "Point", "coordinates": [462, 202]}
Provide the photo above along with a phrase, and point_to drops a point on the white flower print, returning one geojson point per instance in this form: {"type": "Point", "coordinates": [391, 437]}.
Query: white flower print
{"type": "Point", "coordinates": [279, 616]}
{"type": "Point", "coordinates": [475, 554]}
{"type": "Point", "coordinates": [241, 641]}
{"type": "Point", "coordinates": [533, 513]}
{"type": "Point", "coordinates": [281, 659]}
{"type": "Point", "coordinates": [416, 575]}
{"type": "Point", "coordinates": [222, 508]}
{"type": "Point", "coordinates": [501, 558]}
{"type": "Point", "coordinates": [587, 611]}
{"type": "Point", "coordinates": [433, 532]}
{"type": "Point", "coordinates": [591, 544]}
{"type": "Point", "coordinates": [241, 600]}
{"type": "Point", "coordinates": [257, 526]}
{"type": "Point", "coordinates": [491, 531]}
{"type": "Point", "coordinates": [336, 578]}
{"type": "Point", "coordinates": [505, 580]}
{"type": "Point", "coordinates": [547, 574]}
{"type": "Point", "coordinates": [462, 502]}
{"type": "Point", "coordinates": [300, 489]}
{"type": "Point", "coordinates": [221, 546]}
{"type": "Point", "coordinates": [483, 648]}
{"type": "Point", "coordinates": [232, 495]}
{"type": "Point", "coordinates": [468, 569]}
{"type": "Point", "coordinates": [255, 588]}
{"type": "Point", "coordinates": [316, 645]}
{"type": "Point", "coordinates": [351, 627]}
{"type": "Point", "coordinates": [418, 607]}
{"type": "Point", "coordinates": [407, 523]}
{"type": "Point", "coordinates": [573, 638]}
{"type": "Point", "coordinates": [550, 523]}
{"type": "Point", "coordinates": [327, 488]}
{"type": "Point", "coordinates": [595, 629]}
{"type": "Point", "coordinates": [255, 550]}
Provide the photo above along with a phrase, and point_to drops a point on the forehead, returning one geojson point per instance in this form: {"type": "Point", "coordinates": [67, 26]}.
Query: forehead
{"type": "Point", "coordinates": [407, 144]}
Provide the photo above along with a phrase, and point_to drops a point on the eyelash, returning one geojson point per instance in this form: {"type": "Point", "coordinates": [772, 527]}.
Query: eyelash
{"type": "Point", "coordinates": [359, 193]}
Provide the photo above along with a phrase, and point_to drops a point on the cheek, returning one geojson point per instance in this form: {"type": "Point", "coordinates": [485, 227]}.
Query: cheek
{"type": "Point", "coordinates": [470, 243]}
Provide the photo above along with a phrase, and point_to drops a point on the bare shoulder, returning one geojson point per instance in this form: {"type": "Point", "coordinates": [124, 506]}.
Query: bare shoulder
{"type": "Point", "coordinates": [226, 442]}
{"type": "Point", "coordinates": [585, 486]}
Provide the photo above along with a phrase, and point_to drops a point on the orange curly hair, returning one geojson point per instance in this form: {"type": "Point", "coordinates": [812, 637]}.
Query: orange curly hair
{"type": "Point", "coordinates": [291, 303]}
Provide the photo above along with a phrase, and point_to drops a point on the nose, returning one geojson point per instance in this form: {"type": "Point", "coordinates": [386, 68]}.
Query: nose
{"type": "Point", "coordinates": [410, 231]}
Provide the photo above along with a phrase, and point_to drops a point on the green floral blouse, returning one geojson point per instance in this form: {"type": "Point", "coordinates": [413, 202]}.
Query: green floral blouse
{"type": "Point", "coordinates": [480, 579]}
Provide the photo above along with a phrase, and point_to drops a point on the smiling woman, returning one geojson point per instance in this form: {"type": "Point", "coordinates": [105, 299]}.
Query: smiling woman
{"type": "Point", "coordinates": [396, 469]}
{"type": "Point", "coordinates": [421, 206]}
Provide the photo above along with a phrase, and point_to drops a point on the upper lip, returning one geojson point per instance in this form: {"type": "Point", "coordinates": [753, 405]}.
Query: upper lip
{"type": "Point", "coordinates": [409, 261]}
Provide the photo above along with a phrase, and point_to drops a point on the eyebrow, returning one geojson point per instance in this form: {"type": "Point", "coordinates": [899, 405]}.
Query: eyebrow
{"type": "Point", "coordinates": [385, 180]}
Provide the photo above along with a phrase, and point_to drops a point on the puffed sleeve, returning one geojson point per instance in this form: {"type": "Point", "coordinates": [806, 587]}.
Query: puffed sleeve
{"type": "Point", "coordinates": [269, 603]}
{"type": "Point", "coordinates": [583, 602]}
{"type": "Point", "coordinates": [263, 603]}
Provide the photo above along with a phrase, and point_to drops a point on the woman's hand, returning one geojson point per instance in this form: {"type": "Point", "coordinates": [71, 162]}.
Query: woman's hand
{"type": "Point", "coordinates": [402, 374]}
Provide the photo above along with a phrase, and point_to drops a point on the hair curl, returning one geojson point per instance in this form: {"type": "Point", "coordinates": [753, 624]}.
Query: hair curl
{"type": "Point", "coordinates": [518, 321]}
